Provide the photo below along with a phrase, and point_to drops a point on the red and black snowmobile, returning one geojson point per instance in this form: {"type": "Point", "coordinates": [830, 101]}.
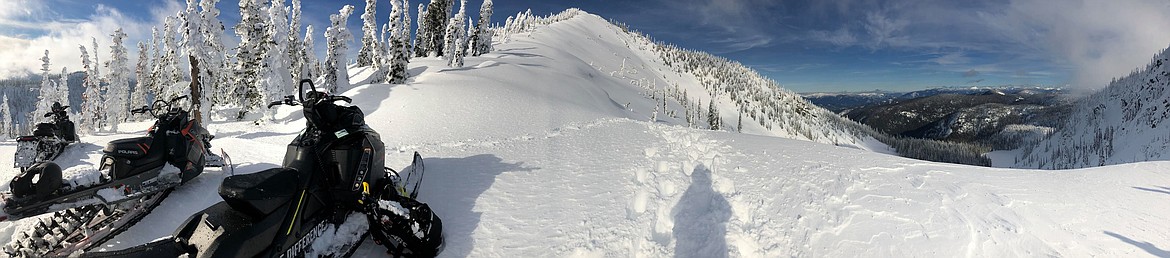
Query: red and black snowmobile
{"type": "Point", "coordinates": [93, 205]}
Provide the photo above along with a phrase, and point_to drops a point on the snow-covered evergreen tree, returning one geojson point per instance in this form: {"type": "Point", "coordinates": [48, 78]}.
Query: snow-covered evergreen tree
{"type": "Point", "coordinates": [214, 66]}
{"type": "Point", "coordinates": [420, 34]}
{"type": "Point", "coordinates": [434, 33]}
{"type": "Point", "coordinates": [274, 75]}
{"type": "Point", "coordinates": [6, 123]}
{"type": "Point", "coordinates": [455, 42]}
{"type": "Point", "coordinates": [251, 31]}
{"type": "Point", "coordinates": [311, 67]}
{"type": "Point", "coordinates": [399, 42]}
{"type": "Point", "coordinates": [90, 119]}
{"type": "Point", "coordinates": [336, 36]}
{"type": "Point", "coordinates": [156, 68]}
{"type": "Point", "coordinates": [296, 46]}
{"type": "Point", "coordinates": [483, 32]}
{"type": "Point", "coordinates": [713, 119]}
{"type": "Point", "coordinates": [142, 73]}
{"type": "Point", "coordinates": [118, 92]}
{"type": "Point", "coordinates": [48, 93]}
{"type": "Point", "coordinates": [63, 87]}
{"type": "Point", "coordinates": [169, 73]}
{"type": "Point", "coordinates": [369, 48]}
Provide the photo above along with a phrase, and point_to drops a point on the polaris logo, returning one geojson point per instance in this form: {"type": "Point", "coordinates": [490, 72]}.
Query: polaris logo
{"type": "Point", "coordinates": [131, 152]}
{"type": "Point", "coordinates": [299, 247]}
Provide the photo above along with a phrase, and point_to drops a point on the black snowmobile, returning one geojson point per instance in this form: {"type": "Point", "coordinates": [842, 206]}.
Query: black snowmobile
{"type": "Point", "coordinates": [313, 206]}
{"type": "Point", "coordinates": [48, 139]}
{"type": "Point", "coordinates": [134, 176]}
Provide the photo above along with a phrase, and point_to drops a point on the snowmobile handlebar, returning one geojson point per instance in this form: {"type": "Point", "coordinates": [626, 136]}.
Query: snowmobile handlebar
{"type": "Point", "coordinates": [288, 100]}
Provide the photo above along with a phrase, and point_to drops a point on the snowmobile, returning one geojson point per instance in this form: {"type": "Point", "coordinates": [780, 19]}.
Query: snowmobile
{"type": "Point", "coordinates": [47, 141]}
{"type": "Point", "coordinates": [134, 176]}
{"type": "Point", "coordinates": [313, 206]}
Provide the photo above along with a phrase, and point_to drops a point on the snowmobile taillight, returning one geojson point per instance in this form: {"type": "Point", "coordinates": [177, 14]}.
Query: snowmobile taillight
{"type": "Point", "coordinates": [26, 138]}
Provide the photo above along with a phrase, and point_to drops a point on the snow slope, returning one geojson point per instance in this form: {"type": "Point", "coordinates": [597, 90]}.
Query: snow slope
{"type": "Point", "coordinates": [1124, 122]}
{"type": "Point", "coordinates": [531, 151]}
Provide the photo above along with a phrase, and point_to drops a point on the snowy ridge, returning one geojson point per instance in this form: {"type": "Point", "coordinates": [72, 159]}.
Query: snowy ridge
{"type": "Point", "coordinates": [539, 150]}
{"type": "Point", "coordinates": [1122, 123]}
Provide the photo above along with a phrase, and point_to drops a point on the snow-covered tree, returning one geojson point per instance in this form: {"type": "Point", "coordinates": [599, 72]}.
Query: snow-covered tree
{"type": "Point", "coordinates": [251, 30]}
{"type": "Point", "coordinates": [399, 42]}
{"type": "Point", "coordinates": [369, 48]}
{"type": "Point", "coordinates": [213, 70]}
{"type": "Point", "coordinates": [274, 74]}
{"type": "Point", "coordinates": [91, 119]}
{"type": "Point", "coordinates": [6, 123]}
{"type": "Point", "coordinates": [310, 67]}
{"type": "Point", "coordinates": [433, 35]}
{"type": "Point", "coordinates": [336, 73]}
{"type": "Point", "coordinates": [482, 36]}
{"type": "Point", "coordinates": [713, 119]}
{"type": "Point", "coordinates": [48, 93]}
{"type": "Point", "coordinates": [63, 87]}
{"type": "Point", "coordinates": [455, 42]}
{"type": "Point", "coordinates": [420, 34]}
{"type": "Point", "coordinates": [118, 91]}
{"type": "Point", "coordinates": [142, 73]}
{"type": "Point", "coordinates": [156, 68]}
{"type": "Point", "coordinates": [296, 46]}
{"type": "Point", "coordinates": [169, 72]}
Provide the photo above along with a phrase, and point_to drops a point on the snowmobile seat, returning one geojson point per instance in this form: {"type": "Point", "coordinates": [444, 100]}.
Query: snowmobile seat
{"type": "Point", "coordinates": [44, 129]}
{"type": "Point", "coordinates": [260, 193]}
{"type": "Point", "coordinates": [132, 148]}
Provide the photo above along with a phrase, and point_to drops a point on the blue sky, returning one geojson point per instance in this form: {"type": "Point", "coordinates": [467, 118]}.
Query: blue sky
{"type": "Point", "coordinates": [842, 45]}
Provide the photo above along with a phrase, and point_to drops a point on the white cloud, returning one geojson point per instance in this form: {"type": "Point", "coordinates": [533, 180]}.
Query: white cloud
{"type": "Point", "coordinates": [840, 37]}
{"type": "Point", "coordinates": [20, 53]}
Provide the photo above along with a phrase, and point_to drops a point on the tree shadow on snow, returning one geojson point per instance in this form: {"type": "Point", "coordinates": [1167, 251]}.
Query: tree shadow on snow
{"type": "Point", "coordinates": [452, 186]}
{"type": "Point", "coordinates": [1147, 246]}
{"type": "Point", "coordinates": [1165, 190]}
{"type": "Point", "coordinates": [700, 219]}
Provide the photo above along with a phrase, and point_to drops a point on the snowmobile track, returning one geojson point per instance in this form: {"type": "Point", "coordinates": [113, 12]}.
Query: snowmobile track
{"type": "Point", "coordinates": [53, 237]}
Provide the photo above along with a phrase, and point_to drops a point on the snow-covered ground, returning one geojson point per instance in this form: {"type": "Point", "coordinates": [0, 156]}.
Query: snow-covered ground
{"type": "Point", "coordinates": [533, 151]}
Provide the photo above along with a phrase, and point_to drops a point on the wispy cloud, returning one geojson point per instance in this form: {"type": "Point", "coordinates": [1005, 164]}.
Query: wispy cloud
{"type": "Point", "coordinates": [971, 73]}
{"type": "Point", "coordinates": [43, 29]}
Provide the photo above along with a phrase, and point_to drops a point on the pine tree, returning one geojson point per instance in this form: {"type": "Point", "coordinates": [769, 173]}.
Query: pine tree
{"type": "Point", "coordinates": [739, 127]}
{"type": "Point", "coordinates": [6, 123]}
{"type": "Point", "coordinates": [399, 43]}
{"type": "Point", "coordinates": [310, 67]}
{"type": "Point", "coordinates": [336, 73]}
{"type": "Point", "coordinates": [169, 73]}
{"type": "Point", "coordinates": [483, 32]}
{"type": "Point", "coordinates": [48, 93]}
{"type": "Point", "coordinates": [156, 70]}
{"type": "Point", "coordinates": [420, 35]}
{"type": "Point", "coordinates": [434, 34]}
{"type": "Point", "coordinates": [195, 49]}
{"type": "Point", "coordinates": [456, 39]}
{"type": "Point", "coordinates": [141, 72]}
{"type": "Point", "coordinates": [274, 80]}
{"type": "Point", "coordinates": [251, 30]}
{"type": "Point", "coordinates": [92, 102]}
{"type": "Point", "coordinates": [369, 50]}
{"type": "Point", "coordinates": [296, 46]}
{"type": "Point", "coordinates": [713, 116]}
{"type": "Point", "coordinates": [63, 87]}
{"type": "Point", "coordinates": [116, 105]}
{"type": "Point", "coordinates": [214, 66]}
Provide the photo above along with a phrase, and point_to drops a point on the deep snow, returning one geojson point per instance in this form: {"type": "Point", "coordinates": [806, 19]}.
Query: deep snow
{"type": "Point", "coordinates": [531, 151]}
